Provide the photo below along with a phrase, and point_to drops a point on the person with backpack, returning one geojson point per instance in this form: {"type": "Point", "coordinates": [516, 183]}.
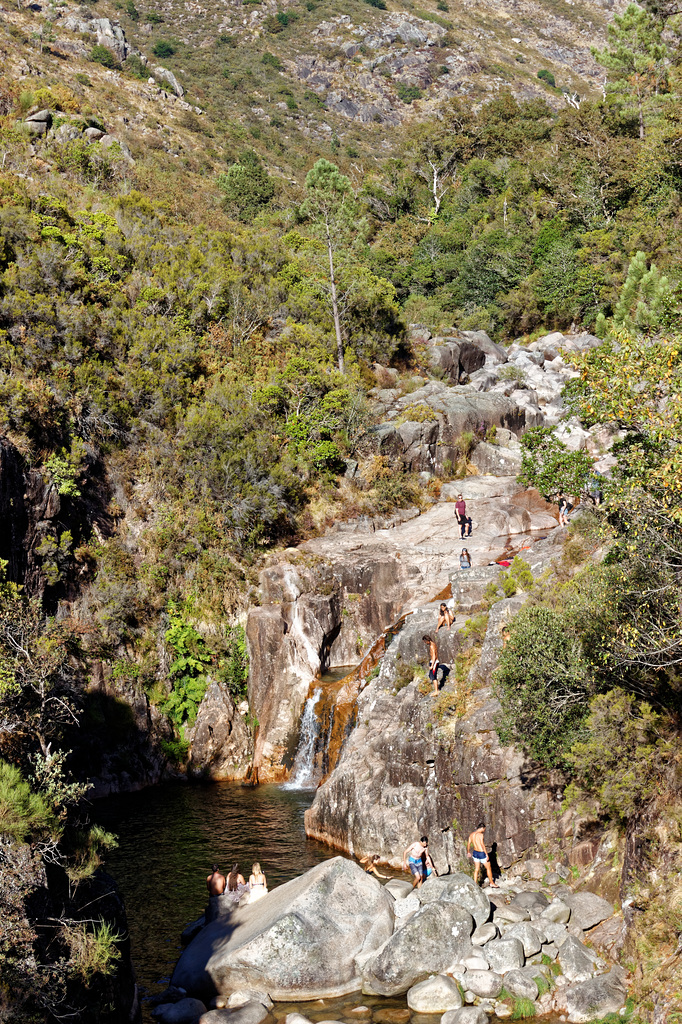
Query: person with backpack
{"type": "Point", "coordinates": [461, 515]}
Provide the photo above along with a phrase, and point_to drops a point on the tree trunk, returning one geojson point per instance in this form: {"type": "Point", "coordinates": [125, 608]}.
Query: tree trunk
{"type": "Point", "coordinates": [335, 304]}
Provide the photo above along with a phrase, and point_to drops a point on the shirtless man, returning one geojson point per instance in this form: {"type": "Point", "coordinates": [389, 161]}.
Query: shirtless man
{"type": "Point", "coordinates": [476, 849]}
{"type": "Point", "coordinates": [415, 856]}
{"type": "Point", "coordinates": [215, 883]}
{"type": "Point", "coordinates": [433, 662]}
{"type": "Point", "coordinates": [445, 617]}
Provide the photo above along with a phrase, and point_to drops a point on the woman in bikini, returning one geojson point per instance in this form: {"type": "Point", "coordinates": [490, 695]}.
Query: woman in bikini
{"type": "Point", "coordinates": [258, 883]}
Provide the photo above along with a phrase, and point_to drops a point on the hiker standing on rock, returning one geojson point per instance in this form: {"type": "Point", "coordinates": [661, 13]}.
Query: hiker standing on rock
{"type": "Point", "coordinates": [415, 856]}
{"type": "Point", "coordinates": [433, 661]}
{"type": "Point", "coordinates": [477, 851]}
{"type": "Point", "coordinates": [463, 520]}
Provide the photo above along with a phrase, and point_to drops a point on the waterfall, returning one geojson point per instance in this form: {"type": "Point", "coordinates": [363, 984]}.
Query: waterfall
{"type": "Point", "coordinates": [303, 768]}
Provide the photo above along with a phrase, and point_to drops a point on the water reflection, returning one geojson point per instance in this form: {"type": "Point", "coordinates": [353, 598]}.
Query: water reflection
{"type": "Point", "coordinates": [168, 838]}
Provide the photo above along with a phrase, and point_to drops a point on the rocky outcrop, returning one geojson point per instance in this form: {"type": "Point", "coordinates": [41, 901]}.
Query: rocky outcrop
{"type": "Point", "coordinates": [411, 766]}
{"type": "Point", "coordinates": [300, 942]}
{"type": "Point", "coordinates": [220, 740]}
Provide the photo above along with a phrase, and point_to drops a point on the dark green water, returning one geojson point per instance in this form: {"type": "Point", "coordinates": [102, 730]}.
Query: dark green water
{"type": "Point", "coordinates": [168, 838]}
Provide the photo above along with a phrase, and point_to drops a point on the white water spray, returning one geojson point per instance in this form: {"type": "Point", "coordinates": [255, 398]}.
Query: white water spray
{"type": "Point", "coordinates": [303, 768]}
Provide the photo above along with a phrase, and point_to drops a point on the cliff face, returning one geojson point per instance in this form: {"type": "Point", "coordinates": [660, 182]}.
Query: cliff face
{"type": "Point", "coordinates": [419, 764]}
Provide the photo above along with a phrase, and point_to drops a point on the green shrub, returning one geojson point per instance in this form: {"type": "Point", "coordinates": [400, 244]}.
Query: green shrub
{"type": "Point", "coordinates": [104, 56]}
{"type": "Point", "coordinates": [271, 61]}
{"type": "Point", "coordinates": [550, 466]}
{"type": "Point", "coordinates": [83, 79]}
{"type": "Point", "coordinates": [175, 751]}
{"type": "Point", "coordinates": [379, 4]}
{"type": "Point", "coordinates": [187, 672]}
{"type": "Point", "coordinates": [134, 66]}
{"type": "Point", "coordinates": [547, 76]}
{"type": "Point", "coordinates": [132, 11]}
{"type": "Point", "coordinates": [163, 48]}
{"type": "Point", "coordinates": [23, 813]}
{"type": "Point", "coordinates": [512, 372]}
{"type": "Point", "coordinates": [408, 93]}
{"type": "Point", "coordinates": [522, 1008]}
{"type": "Point", "coordinates": [154, 18]}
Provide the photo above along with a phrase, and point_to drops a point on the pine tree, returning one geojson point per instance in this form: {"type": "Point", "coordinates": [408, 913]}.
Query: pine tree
{"type": "Point", "coordinates": [646, 297]}
{"type": "Point", "coordinates": [636, 58]}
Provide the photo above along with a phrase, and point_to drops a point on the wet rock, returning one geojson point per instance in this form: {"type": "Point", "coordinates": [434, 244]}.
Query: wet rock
{"type": "Point", "coordinates": [587, 909]}
{"type": "Point", "coordinates": [595, 998]}
{"type": "Point", "coordinates": [440, 931]}
{"type": "Point", "coordinates": [300, 942]}
{"type": "Point", "coordinates": [485, 984]}
{"type": "Point", "coordinates": [467, 1015]}
{"type": "Point", "coordinates": [435, 995]}
{"type": "Point", "coordinates": [577, 961]}
{"type": "Point", "coordinates": [459, 889]}
{"type": "Point", "coordinates": [185, 1011]}
{"type": "Point", "coordinates": [520, 985]}
{"type": "Point", "coordinates": [296, 1018]}
{"type": "Point", "coordinates": [504, 954]}
{"type": "Point", "coordinates": [395, 1016]}
{"type": "Point", "coordinates": [192, 929]}
{"type": "Point", "coordinates": [243, 996]}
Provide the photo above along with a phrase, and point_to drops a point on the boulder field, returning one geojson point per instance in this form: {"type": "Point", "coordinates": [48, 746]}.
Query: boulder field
{"type": "Point", "coordinates": [445, 947]}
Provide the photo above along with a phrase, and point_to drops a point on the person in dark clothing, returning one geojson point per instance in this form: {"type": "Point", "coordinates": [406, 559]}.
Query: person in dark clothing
{"type": "Point", "coordinates": [461, 514]}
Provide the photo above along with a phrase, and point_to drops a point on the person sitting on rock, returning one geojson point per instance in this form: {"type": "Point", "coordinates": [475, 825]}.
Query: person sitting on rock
{"type": "Point", "coordinates": [445, 617]}
{"type": "Point", "coordinates": [477, 851]}
{"type": "Point", "coordinates": [414, 857]}
{"type": "Point", "coordinates": [370, 865]}
{"type": "Point", "coordinates": [433, 662]}
{"type": "Point", "coordinates": [215, 883]}
{"type": "Point", "coordinates": [461, 515]}
{"type": "Point", "coordinates": [235, 884]}
{"type": "Point", "coordinates": [258, 883]}
{"type": "Point", "coordinates": [465, 559]}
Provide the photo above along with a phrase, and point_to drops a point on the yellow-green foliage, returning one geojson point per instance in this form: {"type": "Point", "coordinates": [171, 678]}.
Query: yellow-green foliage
{"type": "Point", "coordinates": [23, 813]}
{"type": "Point", "coordinates": [417, 412]}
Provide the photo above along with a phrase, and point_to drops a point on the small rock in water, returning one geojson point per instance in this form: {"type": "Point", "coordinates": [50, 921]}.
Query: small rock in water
{"type": "Point", "coordinates": [392, 1017]}
{"type": "Point", "coordinates": [467, 1015]}
{"type": "Point", "coordinates": [296, 1018]}
{"type": "Point", "coordinates": [186, 1011]}
{"type": "Point", "coordinates": [360, 1011]}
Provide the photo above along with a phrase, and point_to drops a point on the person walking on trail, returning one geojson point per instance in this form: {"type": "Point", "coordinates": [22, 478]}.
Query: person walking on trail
{"type": "Point", "coordinates": [477, 851]}
{"type": "Point", "coordinates": [433, 661]}
{"type": "Point", "coordinates": [414, 857]}
{"type": "Point", "coordinates": [215, 883]}
{"type": "Point", "coordinates": [462, 518]}
{"type": "Point", "coordinates": [445, 617]}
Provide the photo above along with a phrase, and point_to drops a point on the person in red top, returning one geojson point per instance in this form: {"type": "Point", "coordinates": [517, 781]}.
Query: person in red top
{"type": "Point", "coordinates": [462, 518]}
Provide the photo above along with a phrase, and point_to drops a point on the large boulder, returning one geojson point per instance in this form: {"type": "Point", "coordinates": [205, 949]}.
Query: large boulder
{"type": "Point", "coordinates": [528, 936]}
{"type": "Point", "coordinates": [519, 984]}
{"type": "Point", "coordinates": [494, 354]}
{"type": "Point", "coordinates": [459, 889]}
{"type": "Point", "coordinates": [558, 912]}
{"type": "Point", "coordinates": [436, 937]}
{"type": "Point", "coordinates": [300, 942]}
{"type": "Point", "coordinates": [435, 995]}
{"type": "Point", "coordinates": [185, 1011]}
{"type": "Point", "coordinates": [577, 961]}
{"type": "Point", "coordinates": [587, 909]}
{"type": "Point", "coordinates": [220, 742]}
{"type": "Point", "coordinates": [485, 984]}
{"type": "Point", "coordinates": [593, 999]}
{"type": "Point", "coordinates": [492, 460]}
{"type": "Point", "coordinates": [467, 1015]}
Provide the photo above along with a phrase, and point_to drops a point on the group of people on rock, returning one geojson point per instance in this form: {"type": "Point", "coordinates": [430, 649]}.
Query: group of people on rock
{"type": "Point", "coordinates": [417, 859]}
{"type": "Point", "coordinates": [234, 885]}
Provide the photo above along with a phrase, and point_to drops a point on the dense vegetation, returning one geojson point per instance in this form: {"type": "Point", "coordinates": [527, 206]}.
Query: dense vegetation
{"type": "Point", "coordinates": [190, 378]}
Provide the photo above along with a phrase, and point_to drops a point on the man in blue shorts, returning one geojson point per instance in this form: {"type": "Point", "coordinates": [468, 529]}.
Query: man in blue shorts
{"type": "Point", "coordinates": [476, 849]}
{"type": "Point", "coordinates": [415, 857]}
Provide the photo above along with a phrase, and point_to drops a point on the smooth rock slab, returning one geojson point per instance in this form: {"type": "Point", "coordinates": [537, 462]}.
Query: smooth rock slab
{"type": "Point", "coordinates": [587, 910]}
{"type": "Point", "coordinates": [300, 942]}
{"type": "Point", "coordinates": [558, 911]}
{"type": "Point", "coordinates": [485, 984]}
{"type": "Point", "coordinates": [595, 998]}
{"type": "Point", "coordinates": [519, 984]}
{"type": "Point", "coordinates": [459, 889]}
{"type": "Point", "coordinates": [437, 936]}
{"type": "Point", "coordinates": [398, 888]}
{"type": "Point", "coordinates": [435, 995]}
{"type": "Point", "coordinates": [467, 1015]}
{"type": "Point", "coordinates": [504, 954]}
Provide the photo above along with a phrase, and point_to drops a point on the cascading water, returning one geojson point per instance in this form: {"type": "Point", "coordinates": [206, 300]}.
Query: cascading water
{"type": "Point", "coordinates": [303, 768]}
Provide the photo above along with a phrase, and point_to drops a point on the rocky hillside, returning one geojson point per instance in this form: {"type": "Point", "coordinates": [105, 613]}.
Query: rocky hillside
{"type": "Point", "coordinates": [293, 76]}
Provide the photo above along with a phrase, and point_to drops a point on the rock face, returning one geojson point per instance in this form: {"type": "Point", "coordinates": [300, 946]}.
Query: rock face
{"type": "Point", "coordinates": [220, 742]}
{"type": "Point", "coordinates": [438, 935]}
{"type": "Point", "coordinates": [402, 773]}
{"type": "Point", "coordinates": [300, 942]}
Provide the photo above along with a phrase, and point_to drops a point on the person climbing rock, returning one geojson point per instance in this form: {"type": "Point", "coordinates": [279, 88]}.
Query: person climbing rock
{"type": "Point", "coordinates": [370, 866]}
{"type": "Point", "coordinates": [463, 520]}
{"type": "Point", "coordinates": [415, 857]}
{"type": "Point", "coordinates": [215, 883]}
{"type": "Point", "coordinates": [433, 661]}
{"type": "Point", "coordinates": [477, 851]}
{"type": "Point", "coordinates": [445, 617]}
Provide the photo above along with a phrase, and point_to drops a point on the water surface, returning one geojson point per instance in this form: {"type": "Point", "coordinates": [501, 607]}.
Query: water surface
{"type": "Point", "coordinates": [169, 836]}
